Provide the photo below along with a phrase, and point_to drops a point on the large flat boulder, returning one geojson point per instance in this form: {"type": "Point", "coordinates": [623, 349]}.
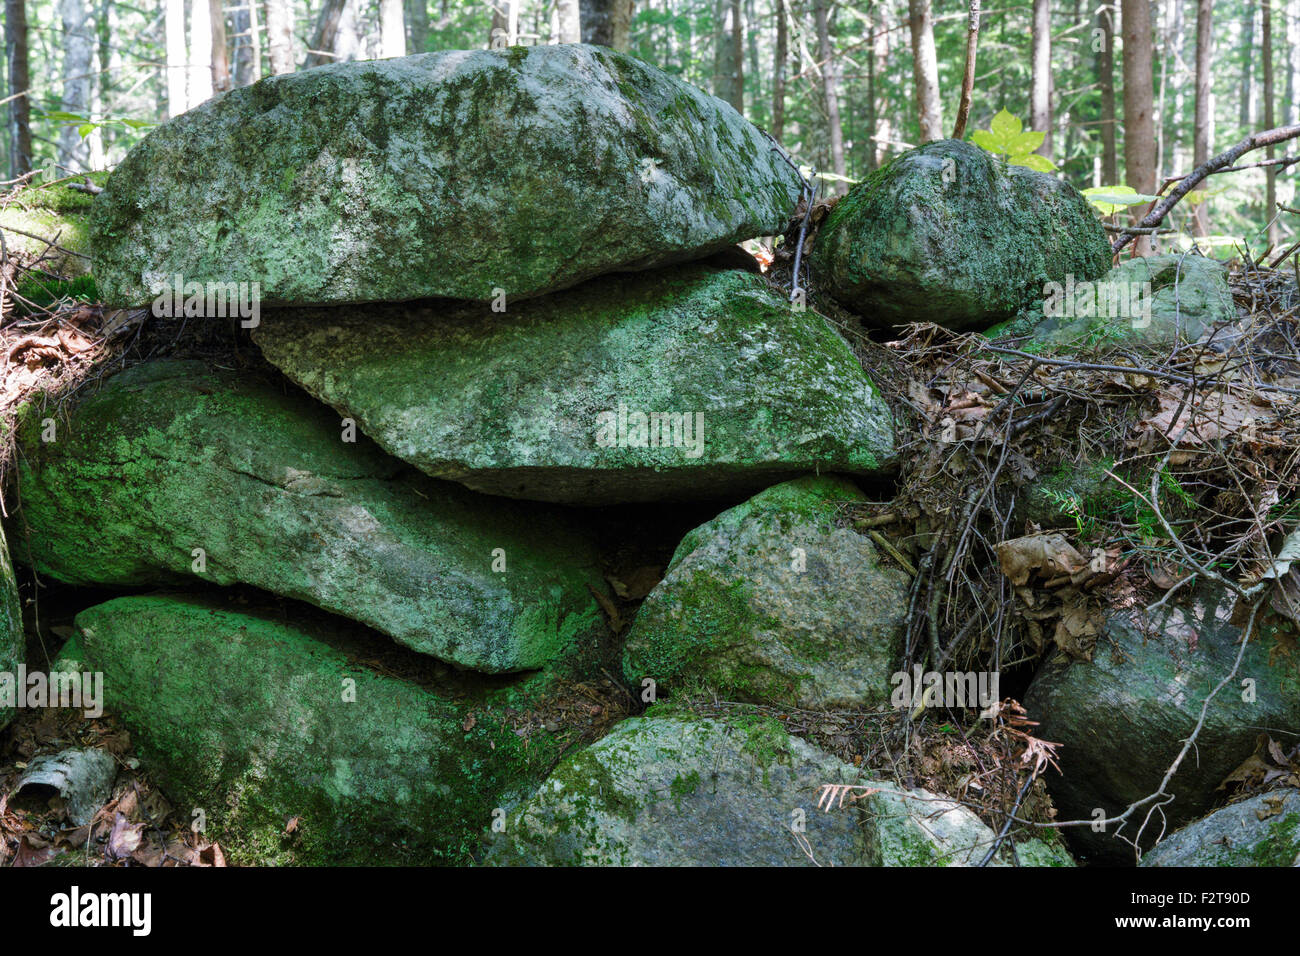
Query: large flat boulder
{"type": "Point", "coordinates": [680, 383]}
{"type": "Point", "coordinates": [444, 174]}
{"type": "Point", "coordinates": [950, 234]}
{"type": "Point", "coordinates": [256, 722]}
{"type": "Point", "coordinates": [681, 790]}
{"type": "Point", "coordinates": [1123, 716]}
{"type": "Point", "coordinates": [775, 601]}
{"type": "Point", "coordinates": [173, 456]}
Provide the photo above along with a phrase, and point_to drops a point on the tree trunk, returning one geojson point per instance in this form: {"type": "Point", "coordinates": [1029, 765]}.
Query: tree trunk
{"type": "Point", "coordinates": [20, 126]}
{"type": "Point", "coordinates": [109, 62]}
{"type": "Point", "coordinates": [1203, 133]}
{"type": "Point", "coordinates": [175, 63]}
{"type": "Point", "coordinates": [607, 23]}
{"type": "Point", "coordinates": [778, 73]}
{"type": "Point", "coordinates": [569, 19]}
{"type": "Point", "coordinates": [199, 74]}
{"type": "Point", "coordinates": [279, 36]}
{"type": "Point", "coordinates": [1247, 64]}
{"type": "Point", "coordinates": [1270, 172]}
{"type": "Point", "coordinates": [505, 24]}
{"type": "Point", "coordinates": [831, 92]}
{"type": "Point", "coordinates": [729, 48]}
{"type": "Point", "coordinates": [1293, 65]}
{"type": "Point", "coordinates": [248, 44]}
{"type": "Point", "coordinates": [324, 34]}
{"type": "Point", "coordinates": [78, 51]}
{"type": "Point", "coordinates": [1139, 126]}
{"type": "Point", "coordinates": [1040, 90]}
{"type": "Point", "coordinates": [1106, 80]}
{"type": "Point", "coordinates": [347, 38]}
{"type": "Point", "coordinates": [925, 70]}
{"type": "Point", "coordinates": [220, 54]}
{"type": "Point", "coordinates": [392, 29]}
{"type": "Point", "coordinates": [883, 128]}
{"type": "Point", "coordinates": [417, 25]}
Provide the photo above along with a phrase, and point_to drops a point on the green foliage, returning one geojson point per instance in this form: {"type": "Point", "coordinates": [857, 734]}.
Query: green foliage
{"type": "Point", "coordinates": [1109, 200]}
{"type": "Point", "coordinates": [85, 125]}
{"type": "Point", "coordinates": [1007, 137]}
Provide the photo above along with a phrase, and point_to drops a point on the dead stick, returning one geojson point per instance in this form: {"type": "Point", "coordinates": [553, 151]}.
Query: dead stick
{"type": "Point", "coordinates": [893, 552]}
{"type": "Point", "coordinates": [968, 79]}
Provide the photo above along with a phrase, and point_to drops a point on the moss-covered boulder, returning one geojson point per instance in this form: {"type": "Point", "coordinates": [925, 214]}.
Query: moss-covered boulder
{"type": "Point", "coordinates": [681, 790]}
{"type": "Point", "coordinates": [173, 470]}
{"type": "Point", "coordinates": [1122, 718]}
{"type": "Point", "coordinates": [681, 383]}
{"type": "Point", "coordinates": [457, 174]}
{"type": "Point", "coordinates": [250, 723]}
{"type": "Point", "coordinates": [1160, 300]}
{"type": "Point", "coordinates": [12, 640]}
{"type": "Point", "coordinates": [775, 601]}
{"type": "Point", "coordinates": [1261, 831]}
{"type": "Point", "coordinates": [51, 221]}
{"type": "Point", "coordinates": [950, 234]}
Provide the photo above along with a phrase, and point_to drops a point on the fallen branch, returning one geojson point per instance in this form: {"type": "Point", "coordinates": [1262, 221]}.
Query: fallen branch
{"type": "Point", "coordinates": [1216, 164]}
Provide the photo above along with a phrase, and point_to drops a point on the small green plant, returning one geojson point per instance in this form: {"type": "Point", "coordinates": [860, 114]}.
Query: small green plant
{"type": "Point", "coordinates": [1109, 200]}
{"type": "Point", "coordinates": [1007, 137]}
{"type": "Point", "coordinates": [85, 125]}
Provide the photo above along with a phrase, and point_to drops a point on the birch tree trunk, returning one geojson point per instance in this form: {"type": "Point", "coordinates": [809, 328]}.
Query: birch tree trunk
{"type": "Point", "coordinates": [279, 36]}
{"type": "Point", "coordinates": [78, 52]}
{"type": "Point", "coordinates": [199, 74]}
{"type": "Point", "coordinates": [220, 53]}
{"type": "Point", "coordinates": [569, 21]}
{"type": "Point", "coordinates": [392, 29]}
{"type": "Point", "coordinates": [175, 63]}
{"type": "Point", "coordinates": [1040, 91]}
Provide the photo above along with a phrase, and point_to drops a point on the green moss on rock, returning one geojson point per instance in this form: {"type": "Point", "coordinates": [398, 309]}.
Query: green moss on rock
{"type": "Point", "coordinates": [1154, 301]}
{"type": "Point", "coordinates": [254, 722]}
{"type": "Point", "coordinates": [1263, 830]}
{"type": "Point", "coordinates": [12, 638]}
{"type": "Point", "coordinates": [736, 389]}
{"type": "Point", "coordinates": [949, 233]}
{"type": "Point", "coordinates": [169, 457]}
{"type": "Point", "coordinates": [444, 174]}
{"type": "Point", "coordinates": [773, 602]}
{"type": "Point", "coordinates": [51, 221]}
